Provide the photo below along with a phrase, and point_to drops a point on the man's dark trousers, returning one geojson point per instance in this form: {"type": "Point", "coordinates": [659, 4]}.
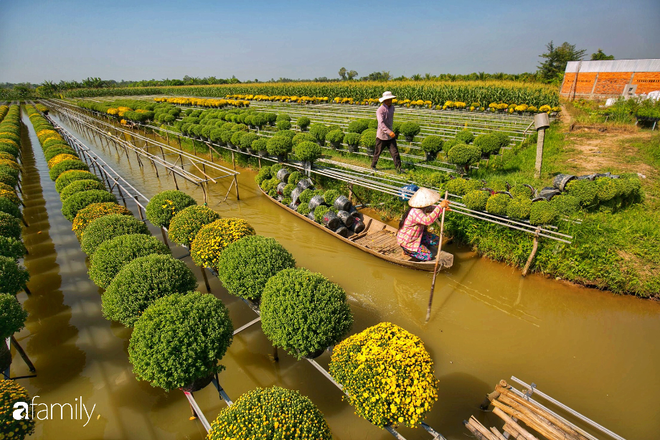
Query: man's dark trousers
{"type": "Point", "coordinates": [394, 151]}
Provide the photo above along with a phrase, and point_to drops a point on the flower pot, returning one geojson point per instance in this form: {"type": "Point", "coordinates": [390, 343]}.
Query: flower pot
{"type": "Point", "coordinates": [410, 138]}
{"type": "Point", "coordinates": [352, 148]}
{"type": "Point", "coordinates": [431, 156]}
{"type": "Point", "coordinates": [5, 356]}
{"type": "Point", "coordinates": [198, 384]}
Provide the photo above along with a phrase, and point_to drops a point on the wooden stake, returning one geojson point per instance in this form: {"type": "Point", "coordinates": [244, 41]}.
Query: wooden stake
{"type": "Point", "coordinates": [24, 355]}
{"type": "Point", "coordinates": [437, 260]}
{"type": "Point", "coordinates": [206, 280]}
{"type": "Point", "coordinates": [535, 248]}
{"type": "Point", "coordinates": [514, 428]}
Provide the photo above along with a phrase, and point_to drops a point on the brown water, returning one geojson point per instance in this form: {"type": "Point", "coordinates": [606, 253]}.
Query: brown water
{"type": "Point", "coordinates": [592, 350]}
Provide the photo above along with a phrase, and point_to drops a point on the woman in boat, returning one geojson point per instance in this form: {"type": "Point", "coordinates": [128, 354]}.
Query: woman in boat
{"type": "Point", "coordinates": [413, 237]}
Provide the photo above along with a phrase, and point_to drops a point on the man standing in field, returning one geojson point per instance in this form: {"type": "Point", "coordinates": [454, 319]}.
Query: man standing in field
{"type": "Point", "coordinates": [385, 137]}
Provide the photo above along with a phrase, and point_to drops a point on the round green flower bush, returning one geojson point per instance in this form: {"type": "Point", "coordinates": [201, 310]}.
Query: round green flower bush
{"type": "Point", "coordinates": [303, 209]}
{"type": "Point", "coordinates": [409, 130]}
{"type": "Point", "coordinates": [10, 195]}
{"type": "Point", "coordinates": [565, 204]}
{"type": "Point", "coordinates": [295, 177]}
{"type": "Point", "coordinates": [7, 206]}
{"type": "Point", "coordinates": [281, 414]}
{"type": "Point", "coordinates": [519, 208]}
{"type": "Point", "coordinates": [80, 186]}
{"type": "Point", "coordinates": [283, 125]}
{"type": "Point", "coordinates": [476, 200]}
{"type": "Point", "coordinates": [306, 196]}
{"type": "Point", "coordinates": [464, 155]}
{"type": "Point", "coordinates": [606, 188]}
{"type": "Point", "coordinates": [461, 186]}
{"type": "Point", "coordinates": [213, 238]}
{"type": "Point", "coordinates": [330, 196]}
{"type": "Point", "coordinates": [358, 126]}
{"type": "Point", "coordinates": [71, 176]}
{"type": "Point", "coordinates": [8, 179]}
{"type": "Point", "coordinates": [303, 122]}
{"type": "Point", "coordinates": [13, 278]}
{"type": "Point", "coordinates": [67, 165]}
{"type": "Point", "coordinates": [543, 213]}
{"type": "Point", "coordinates": [114, 254]}
{"type": "Point", "coordinates": [283, 117]}
{"type": "Point", "coordinates": [11, 393]}
{"type": "Point", "coordinates": [108, 227]}
{"type": "Point", "coordinates": [307, 151]}
{"type": "Point", "coordinates": [81, 200]}
{"type": "Point", "coordinates": [12, 316]}
{"type": "Point", "coordinates": [521, 191]}
{"type": "Point", "coordinates": [236, 138]}
{"type": "Point", "coordinates": [318, 131]}
{"type": "Point", "coordinates": [279, 146]}
{"type": "Point", "coordinates": [303, 137]}
{"type": "Point", "coordinates": [90, 213]}
{"type": "Point", "coordinates": [465, 136]}
{"type": "Point", "coordinates": [498, 203]}
{"type": "Point", "coordinates": [432, 144]}
{"type": "Point", "coordinates": [57, 150]}
{"type": "Point", "coordinates": [319, 212]}
{"type": "Point", "coordinates": [165, 205]}
{"type": "Point", "coordinates": [11, 247]}
{"type": "Point", "coordinates": [368, 139]}
{"type": "Point", "coordinates": [9, 148]}
{"type": "Point", "coordinates": [585, 191]}
{"type": "Point", "coordinates": [387, 374]}
{"type": "Point", "coordinates": [142, 281]}
{"type": "Point", "coordinates": [185, 225]}
{"type": "Point", "coordinates": [263, 174]}
{"type": "Point", "coordinates": [10, 226]}
{"type": "Point", "coordinates": [335, 137]}
{"type": "Point", "coordinates": [246, 265]}
{"type": "Point", "coordinates": [352, 139]}
{"type": "Point", "coordinates": [303, 312]}
{"type": "Point", "coordinates": [179, 339]}
{"type": "Point", "coordinates": [488, 143]}
{"type": "Point", "coordinates": [270, 184]}
{"type": "Point", "coordinates": [248, 139]}
{"type": "Point", "coordinates": [6, 169]}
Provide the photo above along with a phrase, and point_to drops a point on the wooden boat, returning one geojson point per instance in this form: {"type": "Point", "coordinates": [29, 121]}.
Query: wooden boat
{"type": "Point", "coordinates": [378, 239]}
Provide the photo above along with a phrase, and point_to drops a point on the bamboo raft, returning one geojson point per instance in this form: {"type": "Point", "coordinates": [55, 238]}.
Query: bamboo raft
{"type": "Point", "coordinates": [378, 239]}
{"type": "Point", "coordinates": [526, 419]}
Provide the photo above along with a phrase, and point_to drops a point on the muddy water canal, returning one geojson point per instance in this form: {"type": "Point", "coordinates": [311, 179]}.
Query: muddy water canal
{"type": "Point", "coordinates": [594, 351]}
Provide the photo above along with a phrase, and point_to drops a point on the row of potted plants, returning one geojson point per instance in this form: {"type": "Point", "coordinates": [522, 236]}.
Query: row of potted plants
{"type": "Point", "coordinates": [13, 276]}
{"type": "Point", "coordinates": [214, 103]}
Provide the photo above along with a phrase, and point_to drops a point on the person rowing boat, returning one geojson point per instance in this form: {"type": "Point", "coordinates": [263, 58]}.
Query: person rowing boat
{"type": "Point", "coordinates": [414, 239]}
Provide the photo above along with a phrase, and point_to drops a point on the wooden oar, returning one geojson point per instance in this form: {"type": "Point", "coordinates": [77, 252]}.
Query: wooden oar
{"type": "Point", "coordinates": [437, 260]}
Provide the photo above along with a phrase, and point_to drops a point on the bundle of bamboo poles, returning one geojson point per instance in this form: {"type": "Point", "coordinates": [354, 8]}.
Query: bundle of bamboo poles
{"type": "Point", "coordinates": [516, 411]}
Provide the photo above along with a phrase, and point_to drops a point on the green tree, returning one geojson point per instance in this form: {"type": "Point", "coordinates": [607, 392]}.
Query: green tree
{"type": "Point", "coordinates": [342, 73]}
{"type": "Point", "coordinates": [352, 74]}
{"type": "Point", "coordinates": [556, 59]}
{"type": "Point", "coordinates": [600, 55]}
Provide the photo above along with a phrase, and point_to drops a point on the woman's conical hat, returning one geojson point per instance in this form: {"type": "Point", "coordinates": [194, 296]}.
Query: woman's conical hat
{"type": "Point", "coordinates": [424, 197]}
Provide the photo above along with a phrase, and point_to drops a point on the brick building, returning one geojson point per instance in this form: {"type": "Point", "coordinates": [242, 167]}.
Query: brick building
{"type": "Point", "coordinates": [609, 79]}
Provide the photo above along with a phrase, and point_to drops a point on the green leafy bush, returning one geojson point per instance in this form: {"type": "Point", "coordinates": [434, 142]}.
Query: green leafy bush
{"type": "Point", "coordinates": [585, 191]}
{"type": "Point", "coordinates": [303, 137]}
{"type": "Point", "coordinates": [488, 143]}
{"type": "Point", "coordinates": [260, 144]}
{"type": "Point", "coordinates": [270, 184]}
{"type": "Point", "coordinates": [283, 125]}
{"type": "Point", "coordinates": [283, 117]}
{"type": "Point", "coordinates": [165, 205]}
{"type": "Point", "coordinates": [358, 126]}
{"type": "Point", "coordinates": [335, 137]}
{"type": "Point", "coordinates": [565, 204]}
{"type": "Point", "coordinates": [263, 174]}
{"type": "Point", "coordinates": [303, 312]}
{"type": "Point", "coordinates": [279, 146]}
{"type": "Point", "coordinates": [498, 203]}
{"type": "Point", "coordinates": [67, 165]}
{"type": "Point", "coordinates": [8, 179]}
{"type": "Point", "coordinates": [13, 278]}
{"type": "Point", "coordinates": [606, 188]}
{"type": "Point", "coordinates": [519, 208]}
{"type": "Point", "coordinates": [142, 281]}
{"type": "Point", "coordinates": [9, 149]}
{"type": "Point", "coordinates": [464, 155]}
{"type": "Point", "coordinates": [81, 200]}
{"type": "Point", "coordinates": [410, 129]}
{"type": "Point", "coordinates": [502, 138]}
{"type": "Point", "coordinates": [246, 265]}
{"type": "Point", "coordinates": [248, 139]}
{"type": "Point", "coordinates": [80, 186]}
{"type": "Point", "coordinates": [287, 189]}
{"type": "Point", "coordinates": [303, 209]}
{"type": "Point", "coordinates": [303, 122]}
{"type": "Point", "coordinates": [448, 145]}
{"type": "Point", "coordinates": [319, 212]}
{"type": "Point", "coordinates": [543, 213]}
{"type": "Point", "coordinates": [432, 144]}
{"type": "Point", "coordinates": [92, 212]}
{"type": "Point", "coordinates": [10, 226]}
{"type": "Point", "coordinates": [67, 177]}
{"type": "Point", "coordinates": [295, 177]}
{"type": "Point", "coordinates": [352, 139]}
{"type": "Point", "coordinates": [11, 247]}
{"type": "Point", "coordinates": [185, 225]}
{"type": "Point", "coordinates": [282, 414]}
{"type": "Point", "coordinates": [213, 238]}
{"type": "Point", "coordinates": [368, 139]}
{"type": "Point", "coordinates": [307, 151]}
{"type": "Point", "coordinates": [12, 316]}
{"type": "Point", "coordinates": [114, 254]}
{"type": "Point", "coordinates": [9, 207]}
{"type": "Point", "coordinates": [60, 149]}
{"type": "Point", "coordinates": [289, 134]}
{"type": "Point", "coordinates": [476, 200]}
{"type": "Point", "coordinates": [318, 131]}
{"type": "Point", "coordinates": [306, 196]}
{"type": "Point", "coordinates": [180, 339]}
{"type": "Point", "coordinates": [236, 138]}
{"type": "Point", "coordinates": [465, 136]}
{"type": "Point", "coordinates": [461, 186]}
{"type": "Point", "coordinates": [108, 227]}
{"type": "Point", "coordinates": [330, 196]}
{"type": "Point", "coordinates": [521, 191]}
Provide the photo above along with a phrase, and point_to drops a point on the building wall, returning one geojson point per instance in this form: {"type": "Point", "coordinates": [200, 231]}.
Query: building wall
{"type": "Point", "coordinates": [607, 79]}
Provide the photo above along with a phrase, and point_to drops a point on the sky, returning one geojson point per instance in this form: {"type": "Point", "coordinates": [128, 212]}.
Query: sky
{"type": "Point", "coordinates": [139, 39]}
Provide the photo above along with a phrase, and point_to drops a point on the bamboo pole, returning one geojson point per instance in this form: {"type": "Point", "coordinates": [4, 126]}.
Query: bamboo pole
{"type": "Point", "coordinates": [531, 421]}
{"type": "Point", "coordinates": [474, 431]}
{"type": "Point", "coordinates": [481, 429]}
{"type": "Point", "coordinates": [518, 430]}
{"type": "Point", "coordinates": [497, 433]}
{"type": "Point", "coordinates": [532, 418]}
{"type": "Point", "coordinates": [437, 260]}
